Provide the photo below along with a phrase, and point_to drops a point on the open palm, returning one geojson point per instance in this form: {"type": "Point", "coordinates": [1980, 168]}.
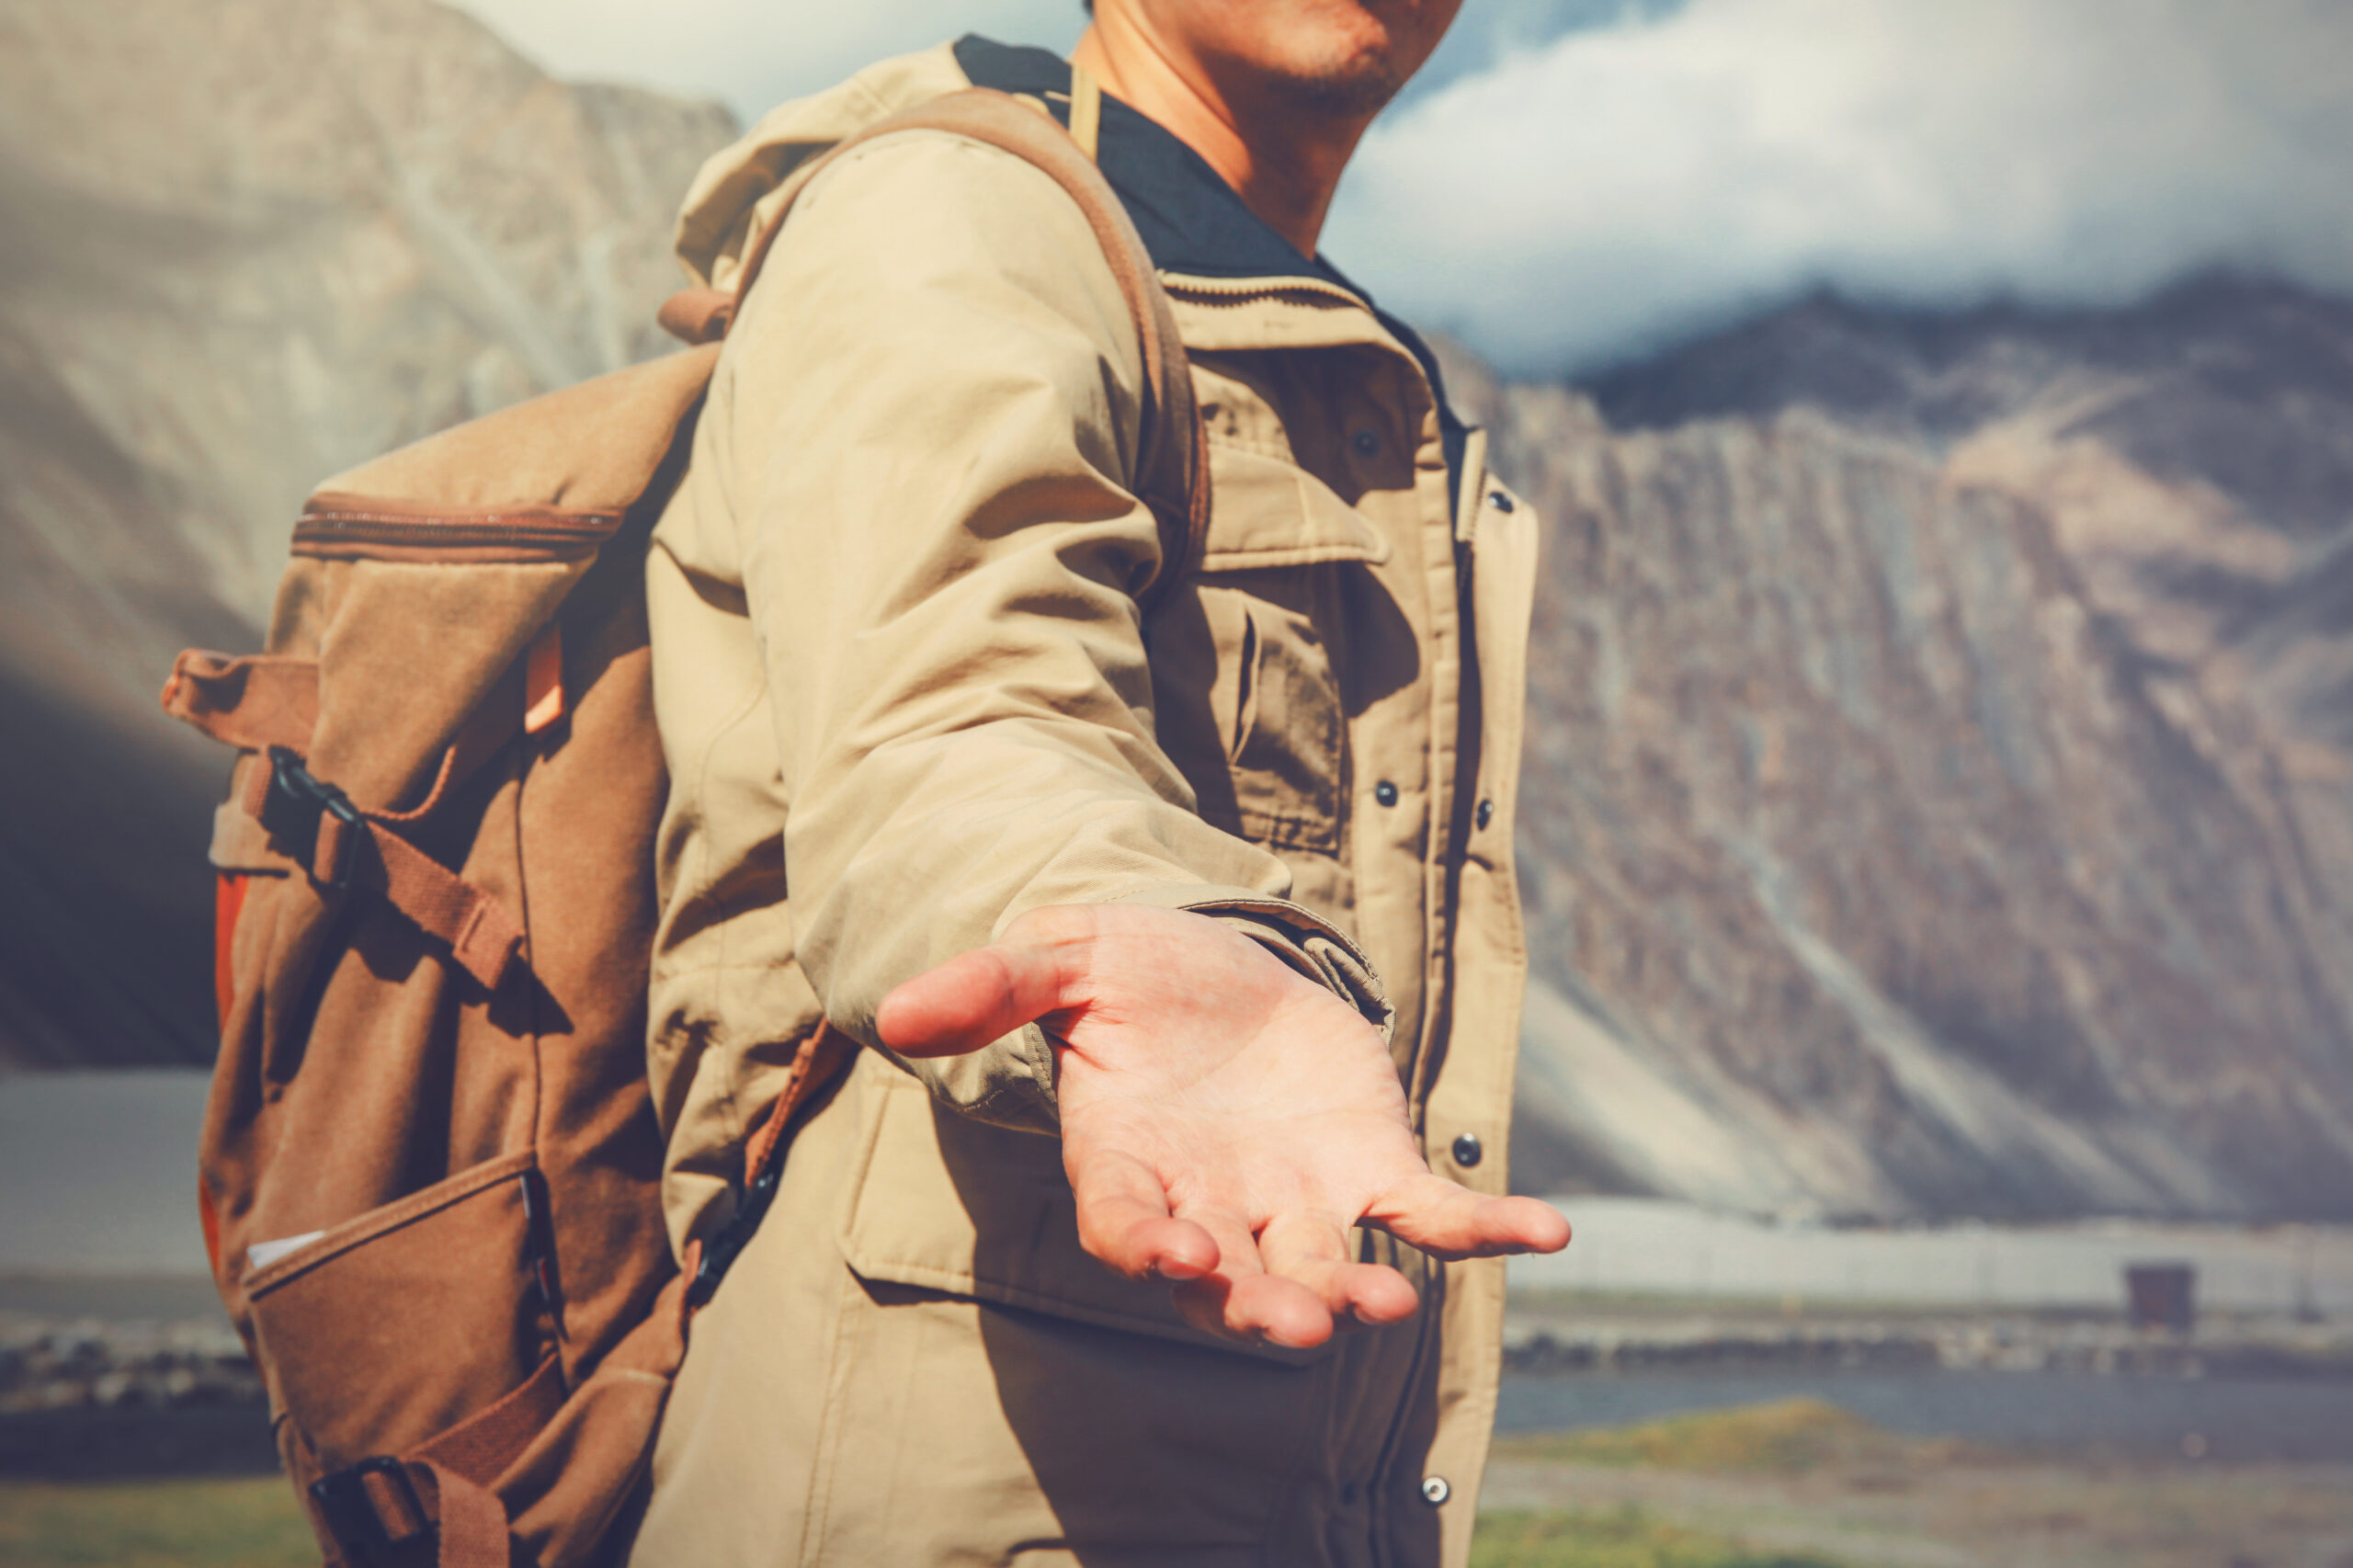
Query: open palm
{"type": "Point", "coordinates": [1225, 1120]}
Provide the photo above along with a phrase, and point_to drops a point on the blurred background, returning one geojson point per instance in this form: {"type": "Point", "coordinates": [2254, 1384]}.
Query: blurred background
{"type": "Point", "coordinates": [1938, 831]}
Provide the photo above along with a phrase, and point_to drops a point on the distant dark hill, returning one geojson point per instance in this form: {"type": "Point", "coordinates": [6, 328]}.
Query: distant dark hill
{"type": "Point", "coordinates": [2241, 384]}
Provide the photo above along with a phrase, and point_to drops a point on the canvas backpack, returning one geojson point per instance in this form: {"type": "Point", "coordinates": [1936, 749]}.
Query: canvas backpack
{"type": "Point", "coordinates": [430, 1163]}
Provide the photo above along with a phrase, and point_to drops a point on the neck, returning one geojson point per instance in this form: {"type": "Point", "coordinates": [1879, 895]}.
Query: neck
{"type": "Point", "coordinates": [1283, 160]}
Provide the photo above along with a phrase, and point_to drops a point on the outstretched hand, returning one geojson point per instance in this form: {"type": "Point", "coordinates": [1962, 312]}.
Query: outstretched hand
{"type": "Point", "coordinates": [1225, 1120]}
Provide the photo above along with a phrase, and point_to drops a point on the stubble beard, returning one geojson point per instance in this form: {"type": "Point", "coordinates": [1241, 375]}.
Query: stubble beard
{"type": "Point", "coordinates": [1354, 90]}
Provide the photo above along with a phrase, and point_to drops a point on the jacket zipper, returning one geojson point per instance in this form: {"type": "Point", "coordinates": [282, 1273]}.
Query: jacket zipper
{"type": "Point", "coordinates": [1233, 291]}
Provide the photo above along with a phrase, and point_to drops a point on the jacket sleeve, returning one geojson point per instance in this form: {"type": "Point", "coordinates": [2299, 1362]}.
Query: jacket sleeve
{"type": "Point", "coordinates": [936, 404]}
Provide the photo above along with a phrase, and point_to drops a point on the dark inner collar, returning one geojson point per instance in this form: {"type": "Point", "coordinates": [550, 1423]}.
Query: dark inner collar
{"type": "Point", "coordinates": [1190, 221]}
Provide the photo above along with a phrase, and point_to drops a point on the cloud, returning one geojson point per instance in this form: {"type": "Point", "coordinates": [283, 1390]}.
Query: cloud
{"type": "Point", "coordinates": [1577, 182]}
{"type": "Point", "coordinates": [755, 54]}
{"type": "Point", "coordinates": [1592, 197]}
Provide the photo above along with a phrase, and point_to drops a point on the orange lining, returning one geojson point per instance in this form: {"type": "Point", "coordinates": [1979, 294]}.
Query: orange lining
{"type": "Point", "coordinates": [543, 679]}
{"type": "Point", "coordinates": [228, 903]}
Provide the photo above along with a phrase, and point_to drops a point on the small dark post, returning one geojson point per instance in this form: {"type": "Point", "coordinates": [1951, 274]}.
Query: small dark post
{"type": "Point", "coordinates": [2163, 1296]}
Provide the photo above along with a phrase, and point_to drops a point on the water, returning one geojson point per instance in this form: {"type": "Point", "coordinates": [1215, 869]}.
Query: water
{"type": "Point", "coordinates": [97, 1173]}
{"type": "Point", "coordinates": [2227, 1419]}
{"type": "Point", "coordinates": [1641, 1246]}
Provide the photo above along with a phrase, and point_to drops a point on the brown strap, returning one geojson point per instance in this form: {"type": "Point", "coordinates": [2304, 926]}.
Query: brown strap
{"type": "Point", "coordinates": [1172, 473]}
{"type": "Point", "coordinates": [698, 315]}
{"type": "Point", "coordinates": [445, 1486]}
{"type": "Point", "coordinates": [481, 1446]}
{"type": "Point", "coordinates": [453, 1475]}
{"type": "Point", "coordinates": [820, 1057]}
{"type": "Point", "coordinates": [483, 936]}
{"type": "Point", "coordinates": [252, 704]}
{"type": "Point", "coordinates": [267, 699]}
{"type": "Point", "coordinates": [472, 1519]}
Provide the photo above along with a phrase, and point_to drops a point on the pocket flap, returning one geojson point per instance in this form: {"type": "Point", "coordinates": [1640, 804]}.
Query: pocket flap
{"type": "Point", "coordinates": [1267, 512]}
{"type": "Point", "coordinates": [946, 1203]}
{"type": "Point", "coordinates": [393, 1327]}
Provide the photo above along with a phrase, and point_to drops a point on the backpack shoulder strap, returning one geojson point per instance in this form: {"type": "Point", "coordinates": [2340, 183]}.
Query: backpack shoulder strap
{"type": "Point", "coordinates": [1172, 469]}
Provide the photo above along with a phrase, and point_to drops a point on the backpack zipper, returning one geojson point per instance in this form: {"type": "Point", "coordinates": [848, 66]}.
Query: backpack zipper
{"type": "Point", "coordinates": [362, 527]}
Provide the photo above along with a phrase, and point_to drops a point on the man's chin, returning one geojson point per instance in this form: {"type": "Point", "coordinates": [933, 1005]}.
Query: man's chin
{"type": "Point", "coordinates": [1357, 90]}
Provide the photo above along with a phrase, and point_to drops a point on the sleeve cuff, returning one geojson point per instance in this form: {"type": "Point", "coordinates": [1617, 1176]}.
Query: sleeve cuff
{"type": "Point", "coordinates": [1298, 936]}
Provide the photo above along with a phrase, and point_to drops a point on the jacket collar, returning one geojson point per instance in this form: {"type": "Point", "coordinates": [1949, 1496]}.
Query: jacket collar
{"type": "Point", "coordinates": [1191, 222]}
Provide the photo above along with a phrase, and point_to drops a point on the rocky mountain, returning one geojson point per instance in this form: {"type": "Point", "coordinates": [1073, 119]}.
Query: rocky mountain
{"type": "Point", "coordinates": [1941, 776]}
{"type": "Point", "coordinates": [242, 245]}
{"type": "Point", "coordinates": [1939, 795]}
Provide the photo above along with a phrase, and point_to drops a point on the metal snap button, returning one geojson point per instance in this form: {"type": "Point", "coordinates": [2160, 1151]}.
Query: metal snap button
{"type": "Point", "coordinates": [1501, 502]}
{"type": "Point", "coordinates": [1367, 443]}
{"type": "Point", "coordinates": [1435, 1490]}
{"type": "Point", "coordinates": [1469, 1151]}
{"type": "Point", "coordinates": [1385, 792]}
{"type": "Point", "coordinates": [1486, 813]}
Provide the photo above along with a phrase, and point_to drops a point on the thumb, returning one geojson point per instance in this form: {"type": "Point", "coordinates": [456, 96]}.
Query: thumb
{"type": "Point", "coordinates": [971, 1000]}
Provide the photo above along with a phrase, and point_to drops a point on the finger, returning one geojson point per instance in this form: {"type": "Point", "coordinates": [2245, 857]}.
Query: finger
{"type": "Point", "coordinates": [1204, 1302]}
{"type": "Point", "coordinates": [1450, 1221]}
{"type": "Point", "coordinates": [971, 1000]}
{"type": "Point", "coordinates": [1313, 1250]}
{"type": "Point", "coordinates": [1123, 1220]}
{"type": "Point", "coordinates": [1278, 1310]}
{"type": "Point", "coordinates": [1240, 1300]}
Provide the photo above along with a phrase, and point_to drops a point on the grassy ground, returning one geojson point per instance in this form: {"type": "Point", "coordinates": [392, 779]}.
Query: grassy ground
{"type": "Point", "coordinates": [1624, 1537]}
{"type": "Point", "coordinates": [1779, 1439]}
{"type": "Point", "coordinates": [1792, 1485]}
{"type": "Point", "coordinates": [254, 1523]}
{"type": "Point", "coordinates": [246, 1523]}
{"type": "Point", "coordinates": [1785, 1438]}
{"type": "Point", "coordinates": [1816, 1485]}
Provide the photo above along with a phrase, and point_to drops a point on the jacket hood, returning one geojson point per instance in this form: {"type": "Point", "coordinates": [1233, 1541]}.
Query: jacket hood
{"type": "Point", "coordinates": [742, 185]}
{"type": "Point", "coordinates": [1189, 218]}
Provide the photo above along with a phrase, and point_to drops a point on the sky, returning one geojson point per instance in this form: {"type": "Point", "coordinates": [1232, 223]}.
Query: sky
{"type": "Point", "coordinates": [1576, 182]}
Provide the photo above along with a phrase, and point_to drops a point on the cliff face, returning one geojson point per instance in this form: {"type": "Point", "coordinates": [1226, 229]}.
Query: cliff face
{"type": "Point", "coordinates": [1938, 794]}
{"type": "Point", "coordinates": [245, 244]}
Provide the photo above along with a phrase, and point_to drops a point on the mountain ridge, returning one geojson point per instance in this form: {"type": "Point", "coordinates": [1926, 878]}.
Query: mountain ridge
{"type": "Point", "coordinates": [1940, 777]}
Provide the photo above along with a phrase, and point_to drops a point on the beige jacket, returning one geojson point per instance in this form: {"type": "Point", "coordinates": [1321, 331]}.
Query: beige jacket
{"type": "Point", "coordinates": [906, 694]}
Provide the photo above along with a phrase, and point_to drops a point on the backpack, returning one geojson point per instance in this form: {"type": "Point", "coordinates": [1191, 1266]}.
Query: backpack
{"type": "Point", "coordinates": [431, 1165]}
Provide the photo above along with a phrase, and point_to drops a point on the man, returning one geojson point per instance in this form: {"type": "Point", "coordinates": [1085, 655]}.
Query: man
{"type": "Point", "coordinates": [1189, 931]}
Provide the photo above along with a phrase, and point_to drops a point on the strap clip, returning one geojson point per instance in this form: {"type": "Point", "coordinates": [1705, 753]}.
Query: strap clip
{"type": "Point", "coordinates": [371, 1509]}
{"type": "Point", "coordinates": [295, 809]}
{"type": "Point", "coordinates": [729, 1242]}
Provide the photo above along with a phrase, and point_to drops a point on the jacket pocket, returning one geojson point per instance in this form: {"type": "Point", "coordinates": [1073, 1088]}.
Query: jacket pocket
{"type": "Point", "coordinates": [395, 1326]}
{"type": "Point", "coordinates": [1270, 600]}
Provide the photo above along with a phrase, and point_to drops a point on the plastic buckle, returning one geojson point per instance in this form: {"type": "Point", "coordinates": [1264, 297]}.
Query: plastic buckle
{"type": "Point", "coordinates": [299, 801]}
{"type": "Point", "coordinates": [728, 1243]}
{"type": "Point", "coordinates": [354, 1510]}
